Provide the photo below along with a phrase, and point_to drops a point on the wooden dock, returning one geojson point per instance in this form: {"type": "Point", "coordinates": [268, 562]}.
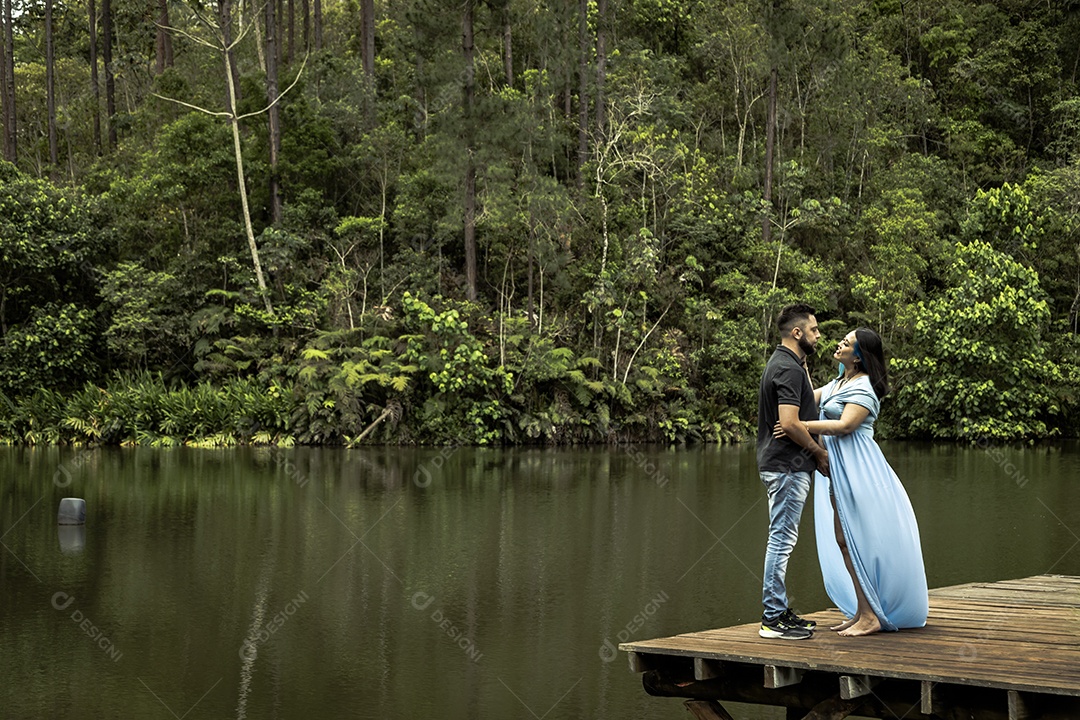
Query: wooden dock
{"type": "Point", "coordinates": [1005, 650]}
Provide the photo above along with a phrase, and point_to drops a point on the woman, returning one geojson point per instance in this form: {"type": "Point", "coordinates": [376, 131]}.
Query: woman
{"type": "Point", "coordinates": [867, 536]}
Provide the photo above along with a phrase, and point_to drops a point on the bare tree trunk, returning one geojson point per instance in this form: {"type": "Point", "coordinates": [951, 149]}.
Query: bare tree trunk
{"type": "Point", "coordinates": [4, 116]}
{"type": "Point", "coordinates": [420, 115]}
{"type": "Point", "coordinates": [292, 32]}
{"type": "Point", "coordinates": [532, 243]}
{"type": "Point", "coordinates": [583, 88]}
{"type": "Point", "coordinates": [273, 114]}
{"type": "Point", "coordinates": [367, 36]}
{"type": "Point", "coordinates": [1074, 311]}
{"type": "Point", "coordinates": [94, 85]}
{"type": "Point", "coordinates": [11, 146]}
{"type": "Point", "coordinates": [163, 49]}
{"type": "Point", "coordinates": [106, 58]}
{"type": "Point", "coordinates": [280, 30]}
{"type": "Point", "coordinates": [508, 45]}
{"type": "Point", "coordinates": [4, 109]}
{"type": "Point", "coordinates": [470, 170]}
{"type": "Point", "coordinates": [235, 127]}
{"type": "Point", "coordinates": [260, 48]}
{"type": "Point", "coordinates": [225, 22]}
{"type": "Point", "coordinates": [305, 13]}
{"type": "Point", "coordinates": [318, 25]}
{"type": "Point", "coordinates": [50, 87]}
{"type": "Point", "coordinates": [384, 182]}
{"type": "Point", "coordinates": [770, 145]}
{"type": "Point", "coordinates": [566, 67]}
{"type": "Point", "coordinates": [601, 65]}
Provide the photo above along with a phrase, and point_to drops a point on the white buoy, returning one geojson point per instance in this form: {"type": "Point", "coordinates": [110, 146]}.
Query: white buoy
{"type": "Point", "coordinates": [72, 511]}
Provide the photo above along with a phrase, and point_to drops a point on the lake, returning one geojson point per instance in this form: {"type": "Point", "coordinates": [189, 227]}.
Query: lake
{"type": "Point", "coordinates": [422, 583]}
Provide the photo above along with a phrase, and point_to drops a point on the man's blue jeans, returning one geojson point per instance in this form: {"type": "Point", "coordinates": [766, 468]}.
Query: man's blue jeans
{"type": "Point", "coordinates": [787, 496]}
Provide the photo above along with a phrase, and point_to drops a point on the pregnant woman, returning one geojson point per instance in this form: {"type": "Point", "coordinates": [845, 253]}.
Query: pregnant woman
{"type": "Point", "coordinates": [867, 535]}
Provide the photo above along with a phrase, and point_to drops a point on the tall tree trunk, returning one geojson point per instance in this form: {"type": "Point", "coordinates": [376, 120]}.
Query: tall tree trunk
{"type": "Point", "coordinates": [106, 59]}
{"type": "Point", "coordinates": [94, 85]}
{"type": "Point", "coordinates": [420, 115]}
{"type": "Point", "coordinates": [566, 65]}
{"type": "Point", "coordinates": [367, 36]}
{"type": "Point", "coordinates": [601, 65]}
{"type": "Point", "coordinates": [273, 114]}
{"type": "Point", "coordinates": [257, 26]}
{"type": "Point", "coordinates": [280, 30]}
{"type": "Point", "coordinates": [291, 53]}
{"type": "Point", "coordinates": [11, 147]}
{"type": "Point", "coordinates": [318, 25]}
{"type": "Point", "coordinates": [508, 45]}
{"type": "Point", "coordinates": [470, 170]}
{"type": "Point", "coordinates": [50, 87]}
{"type": "Point", "coordinates": [531, 261]}
{"type": "Point", "coordinates": [305, 12]}
{"type": "Point", "coordinates": [241, 183]}
{"type": "Point", "coordinates": [770, 145]}
{"type": "Point", "coordinates": [163, 50]}
{"type": "Point", "coordinates": [470, 229]}
{"type": "Point", "coordinates": [3, 84]}
{"type": "Point", "coordinates": [583, 88]}
{"type": "Point", "coordinates": [225, 23]}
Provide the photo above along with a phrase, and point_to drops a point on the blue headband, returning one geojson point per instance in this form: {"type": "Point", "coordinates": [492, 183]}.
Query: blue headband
{"type": "Point", "coordinates": [856, 353]}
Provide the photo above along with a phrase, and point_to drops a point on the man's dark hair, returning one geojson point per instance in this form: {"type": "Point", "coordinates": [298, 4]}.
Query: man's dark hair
{"type": "Point", "coordinates": [792, 315]}
{"type": "Point", "coordinates": [871, 357]}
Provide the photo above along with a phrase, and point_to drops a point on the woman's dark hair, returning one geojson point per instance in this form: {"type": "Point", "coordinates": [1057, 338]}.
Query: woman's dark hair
{"type": "Point", "coordinates": [871, 357]}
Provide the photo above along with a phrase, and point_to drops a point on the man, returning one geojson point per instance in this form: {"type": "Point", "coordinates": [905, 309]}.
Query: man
{"type": "Point", "coordinates": [786, 463]}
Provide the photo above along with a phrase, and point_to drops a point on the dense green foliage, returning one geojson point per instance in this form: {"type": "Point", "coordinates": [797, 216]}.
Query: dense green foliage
{"type": "Point", "coordinates": [926, 183]}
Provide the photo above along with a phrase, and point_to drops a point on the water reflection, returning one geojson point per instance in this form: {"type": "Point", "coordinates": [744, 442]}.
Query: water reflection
{"type": "Point", "coordinates": [456, 582]}
{"type": "Point", "coordinates": [72, 538]}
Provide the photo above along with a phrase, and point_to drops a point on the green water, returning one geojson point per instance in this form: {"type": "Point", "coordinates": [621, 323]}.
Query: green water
{"type": "Point", "coordinates": [403, 583]}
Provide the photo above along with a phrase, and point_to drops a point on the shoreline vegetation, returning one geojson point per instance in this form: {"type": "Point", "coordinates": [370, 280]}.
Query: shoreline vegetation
{"type": "Point", "coordinates": [435, 384]}
{"type": "Point", "coordinates": [430, 223]}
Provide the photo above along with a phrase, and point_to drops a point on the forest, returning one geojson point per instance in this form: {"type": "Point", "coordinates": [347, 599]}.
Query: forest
{"type": "Point", "coordinates": [492, 222]}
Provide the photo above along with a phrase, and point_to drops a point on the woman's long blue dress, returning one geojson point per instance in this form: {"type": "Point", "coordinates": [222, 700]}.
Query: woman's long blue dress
{"type": "Point", "coordinates": [876, 516]}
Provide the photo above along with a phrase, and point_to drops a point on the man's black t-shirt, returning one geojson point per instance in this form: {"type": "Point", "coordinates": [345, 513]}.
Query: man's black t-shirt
{"type": "Point", "coordinates": [784, 382]}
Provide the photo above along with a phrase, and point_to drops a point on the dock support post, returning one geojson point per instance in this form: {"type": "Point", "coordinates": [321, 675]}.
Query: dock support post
{"type": "Point", "coordinates": [853, 686]}
{"type": "Point", "coordinates": [1018, 709]}
{"type": "Point", "coordinates": [927, 706]}
{"type": "Point", "coordinates": [639, 662]}
{"type": "Point", "coordinates": [706, 669]}
{"type": "Point", "coordinates": [778, 677]}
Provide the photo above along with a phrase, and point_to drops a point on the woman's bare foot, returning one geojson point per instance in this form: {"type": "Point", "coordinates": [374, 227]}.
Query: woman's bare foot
{"type": "Point", "coordinates": [845, 625]}
{"type": "Point", "coordinates": [863, 626]}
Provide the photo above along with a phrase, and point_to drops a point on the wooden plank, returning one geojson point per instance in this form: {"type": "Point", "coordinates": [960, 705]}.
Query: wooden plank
{"type": "Point", "coordinates": [986, 672]}
{"type": "Point", "coordinates": [943, 652]}
{"type": "Point", "coordinates": [978, 634]}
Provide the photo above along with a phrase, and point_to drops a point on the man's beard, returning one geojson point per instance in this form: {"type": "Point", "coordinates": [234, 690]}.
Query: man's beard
{"type": "Point", "coordinates": [807, 348]}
